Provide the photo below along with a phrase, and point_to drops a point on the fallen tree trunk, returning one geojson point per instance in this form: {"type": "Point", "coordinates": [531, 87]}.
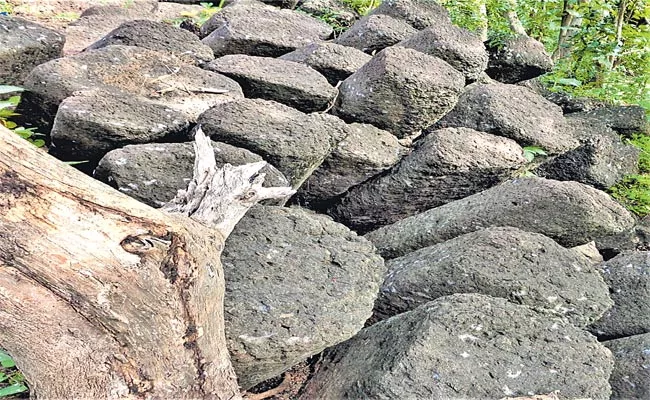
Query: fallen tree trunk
{"type": "Point", "coordinates": [104, 297]}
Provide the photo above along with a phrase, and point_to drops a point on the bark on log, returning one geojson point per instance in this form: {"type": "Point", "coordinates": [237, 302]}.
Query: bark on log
{"type": "Point", "coordinates": [104, 297]}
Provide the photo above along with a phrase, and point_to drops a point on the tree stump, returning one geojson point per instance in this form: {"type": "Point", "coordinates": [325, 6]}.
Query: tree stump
{"type": "Point", "coordinates": [104, 297]}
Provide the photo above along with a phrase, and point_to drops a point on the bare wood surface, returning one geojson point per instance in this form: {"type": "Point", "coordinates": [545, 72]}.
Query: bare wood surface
{"type": "Point", "coordinates": [104, 297]}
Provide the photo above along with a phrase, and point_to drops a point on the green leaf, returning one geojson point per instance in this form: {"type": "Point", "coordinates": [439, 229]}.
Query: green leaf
{"type": "Point", "coordinates": [13, 389]}
{"type": "Point", "coordinates": [569, 82]}
{"type": "Point", "coordinates": [74, 162]}
{"type": "Point", "coordinates": [10, 89]}
{"type": "Point", "coordinates": [6, 361]}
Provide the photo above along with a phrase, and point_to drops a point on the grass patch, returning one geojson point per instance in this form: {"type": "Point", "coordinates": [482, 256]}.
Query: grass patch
{"type": "Point", "coordinates": [634, 191]}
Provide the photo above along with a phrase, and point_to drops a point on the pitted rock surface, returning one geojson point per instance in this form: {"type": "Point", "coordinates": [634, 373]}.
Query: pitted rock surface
{"type": "Point", "coordinates": [459, 47]}
{"type": "Point", "coordinates": [23, 46]}
{"type": "Point", "coordinates": [296, 283]}
{"type": "Point", "coordinates": [374, 33]}
{"type": "Point", "coordinates": [256, 29]}
{"type": "Point", "coordinates": [293, 142]}
{"type": "Point", "coordinates": [514, 112]}
{"type": "Point", "coordinates": [154, 173]}
{"type": "Point", "coordinates": [334, 61]}
{"type": "Point", "coordinates": [400, 90]}
{"type": "Point", "coordinates": [157, 36]}
{"type": "Point", "coordinates": [571, 213]}
{"type": "Point", "coordinates": [522, 267]}
{"type": "Point", "coordinates": [444, 166]}
{"type": "Point", "coordinates": [628, 277]}
{"type": "Point", "coordinates": [465, 346]}
{"type": "Point", "coordinates": [287, 82]}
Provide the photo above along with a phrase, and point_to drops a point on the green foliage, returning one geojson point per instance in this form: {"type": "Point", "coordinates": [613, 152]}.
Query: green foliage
{"type": "Point", "coordinates": [634, 191]}
{"type": "Point", "coordinates": [5, 7]}
{"type": "Point", "coordinates": [198, 17]}
{"type": "Point", "coordinates": [596, 65]}
{"type": "Point", "coordinates": [7, 107]}
{"type": "Point", "coordinates": [11, 380]}
{"type": "Point", "coordinates": [362, 6]}
{"type": "Point", "coordinates": [530, 152]}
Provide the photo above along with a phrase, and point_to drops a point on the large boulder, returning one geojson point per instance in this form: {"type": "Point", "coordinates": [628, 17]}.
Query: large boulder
{"type": "Point", "coordinates": [259, 30]}
{"type": "Point", "coordinates": [374, 33]}
{"type": "Point", "coordinates": [568, 103]}
{"type": "Point", "coordinates": [293, 142]}
{"type": "Point", "coordinates": [23, 46]}
{"type": "Point", "coordinates": [446, 165]}
{"type": "Point", "coordinates": [601, 161]}
{"type": "Point", "coordinates": [130, 71]}
{"type": "Point", "coordinates": [460, 48]}
{"type": "Point", "coordinates": [286, 82]}
{"type": "Point", "coordinates": [158, 36]}
{"type": "Point", "coordinates": [420, 14]}
{"type": "Point", "coordinates": [631, 375]}
{"type": "Point", "coordinates": [518, 59]}
{"type": "Point", "coordinates": [296, 283]}
{"type": "Point", "coordinates": [334, 61]}
{"type": "Point", "coordinates": [365, 152]}
{"type": "Point", "coordinates": [154, 173]}
{"type": "Point", "coordinates": [465, 346]}
{"type": "Point", "coordinates": [628, 277]}
{"type": "Point", "coordinates": [626, 120]}
{"type": "Point", "coordinates": [571, 213]}
{"type": "Point", "coordinates": [513, 112]}
{"type": "Point", "coordinates": [91, 124]}
{"type": "Point", "coordinates": [400, 90]}
{"type": "Point", "coordinates": [100, 19]}
{"type": "Point", "coordinates": [522, 267]}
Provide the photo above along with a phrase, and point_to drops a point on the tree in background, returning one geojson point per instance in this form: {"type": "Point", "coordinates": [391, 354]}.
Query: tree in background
{"type": "Point", "coordinates": [601, 47]}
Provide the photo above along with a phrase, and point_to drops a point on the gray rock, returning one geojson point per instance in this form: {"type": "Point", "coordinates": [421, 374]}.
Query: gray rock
{"type": "Point", "coordinates": [286, 82]}
{"type": "Point", "coordinates": [635, 238]}
{"type": "Point", "coordinates": [522, 267]}
{"type": "Point", "coordinates": [153, 173]}
{"type": "Point", "coordinates": [568, 103]}
{"type": "Point", "coordinates": [519, 59]}
{"type": "Point", "coordinates": [420, 14]}
{"type": "Point", "coordinates": [568, 212]}
{"type": "Point", "coordinates": [293, 142]}
{"type": "Point", "coordinates": [157, 36]}
{"type": "Point", "coordinates": [128, 70]}
{"type": "Point", "coordinates": [626, 120]}
{"type": "Point", "coordinates": [400, 90]}
{"type": "Point", "coordinates": [365, 152]}
{"type": "Point", "coordinates": [601, 161]}
{"type": "Point", "coordinates": [334, 61]}
{"type": "Point", "coordinates": [90, 125]}
{"type": "Point", "coordinates": [460, 48]}
{"type": "Point", "coordinates": [23, 46]}
{"type": "Point", "coordinates": [513, 112]}
{"type": "Point", "coordinates": [465, 346]}
{"type": "Point", "coordinates": [446, 165]}
{"type": "Point", "coordinates": [628, 277]}
{"type": "Point", "coordinates": [296, 283]}
{"type": "Point", "coordinates": [631, 375]}
{"type": "Point", "coordinates": [374, 33]}
{"type": "Point", "coordinates": [259, 30]}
